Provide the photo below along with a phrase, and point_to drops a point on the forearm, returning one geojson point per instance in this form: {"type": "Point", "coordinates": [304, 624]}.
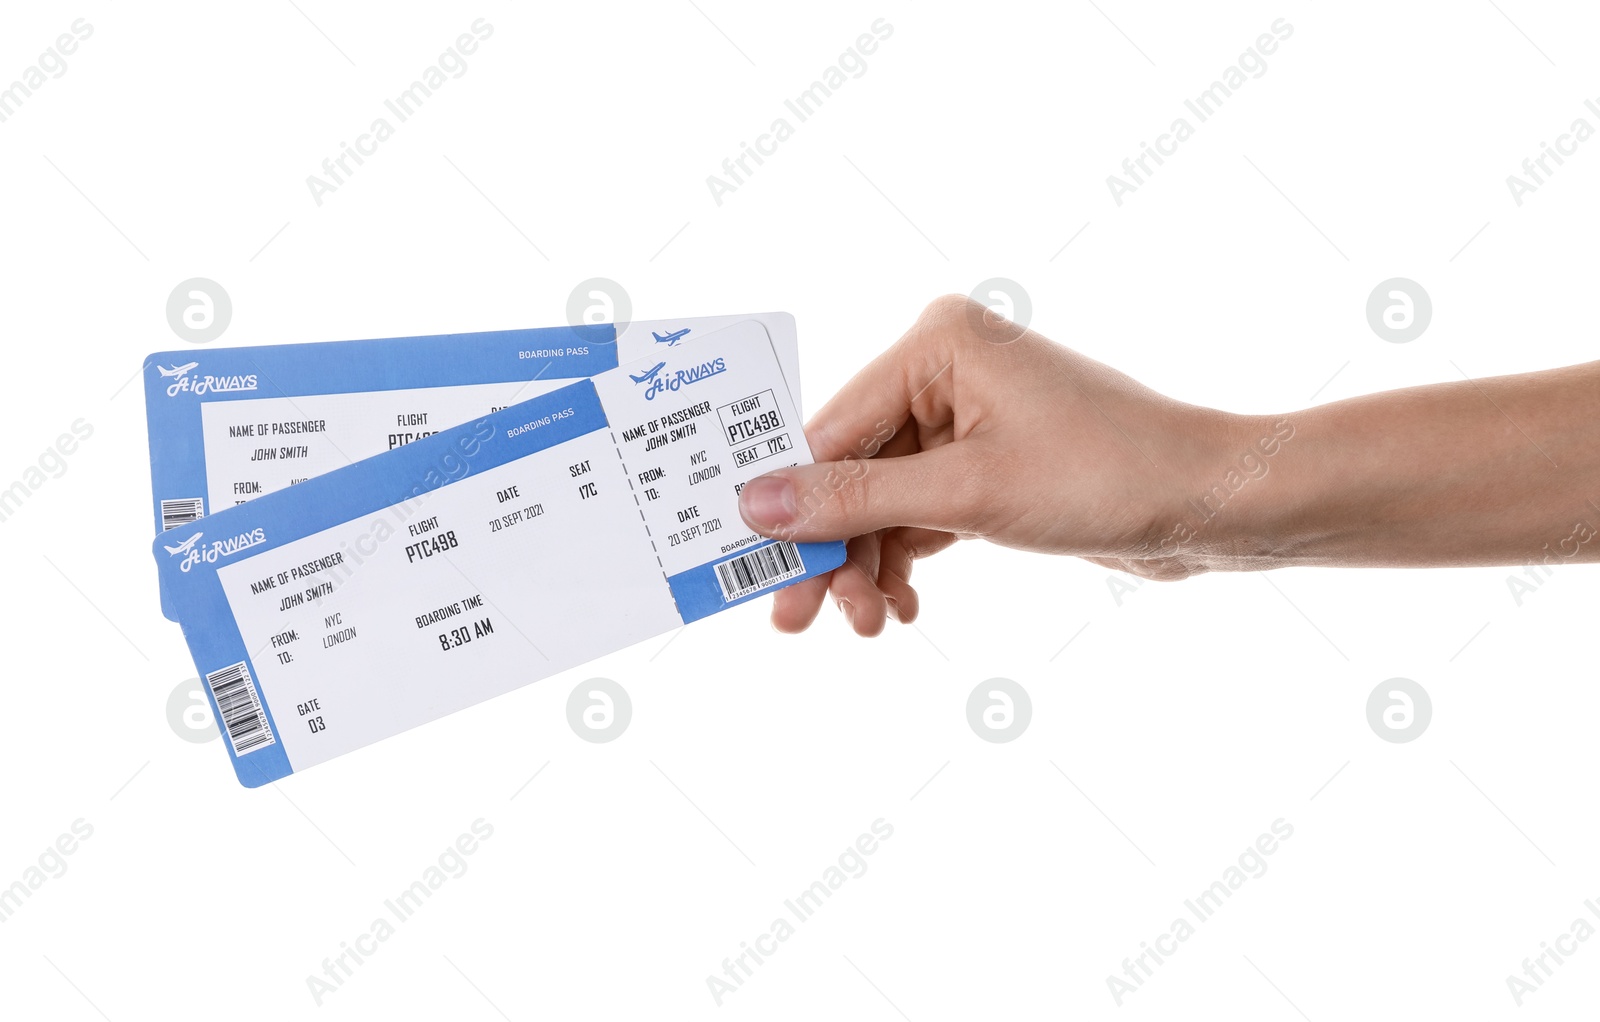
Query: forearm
{"type": "Point", "coordinates": [1484, 472]}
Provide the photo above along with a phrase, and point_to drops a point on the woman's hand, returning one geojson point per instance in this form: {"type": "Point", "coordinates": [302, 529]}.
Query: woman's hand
{"type": "Point", "coordinates": [970, 426]}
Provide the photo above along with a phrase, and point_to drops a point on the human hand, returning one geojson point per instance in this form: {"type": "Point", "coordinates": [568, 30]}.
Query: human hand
{"type": "Point", "coordinates": [971, 427]}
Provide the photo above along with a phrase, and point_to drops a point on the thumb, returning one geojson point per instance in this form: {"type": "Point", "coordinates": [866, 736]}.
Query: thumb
{"type": "Point", "coordinates": [844, 499]}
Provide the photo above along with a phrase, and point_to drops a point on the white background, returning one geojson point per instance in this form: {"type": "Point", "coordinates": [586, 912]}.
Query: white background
{"type": "Point", "coordinates": [977, 143]}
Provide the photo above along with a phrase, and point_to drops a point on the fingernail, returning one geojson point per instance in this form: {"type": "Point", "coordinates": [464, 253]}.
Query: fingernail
{"type": "Point", "coordinates": [767, 502]}
{"type": "Point", "coordinates": [894, 608]}
{"type": "Point", "coordinates": [848, 611]}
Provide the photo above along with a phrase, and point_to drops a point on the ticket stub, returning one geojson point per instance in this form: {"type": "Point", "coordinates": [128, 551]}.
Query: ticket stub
{"type": "Point", "coordinates": [363, 602]}
{"type": "Point", "coordinates": [231, 424]}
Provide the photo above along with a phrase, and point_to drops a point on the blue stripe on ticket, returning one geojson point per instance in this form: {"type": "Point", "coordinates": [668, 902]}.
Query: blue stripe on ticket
{"type": "Point", "coordinates": [178, 384]}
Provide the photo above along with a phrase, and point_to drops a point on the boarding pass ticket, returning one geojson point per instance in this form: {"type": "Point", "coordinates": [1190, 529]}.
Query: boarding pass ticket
{"type": "Point", "coordinates": [363, 602]}
{"type": "Point", "coordinates": [230, 424]}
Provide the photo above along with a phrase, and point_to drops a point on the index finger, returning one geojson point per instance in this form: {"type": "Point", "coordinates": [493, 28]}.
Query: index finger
{"type": "Point", "coordinates": [878, 400]}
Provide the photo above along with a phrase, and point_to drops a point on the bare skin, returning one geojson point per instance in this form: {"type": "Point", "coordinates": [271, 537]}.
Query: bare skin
{"type": "Point", "coordinates": [964, 429]}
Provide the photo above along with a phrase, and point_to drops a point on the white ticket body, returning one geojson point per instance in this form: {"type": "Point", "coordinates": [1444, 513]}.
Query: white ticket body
{"type": "Point", "coordinates": [385, 594]}
{"type": "Point", "coordinates": [228, 425]}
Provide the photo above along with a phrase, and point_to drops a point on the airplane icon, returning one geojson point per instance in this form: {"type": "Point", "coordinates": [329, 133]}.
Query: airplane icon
{"type": "Point", "coordinates": [671, 339]}
{"type": "Point", "coordinates": [175, 370]}
{"type": "Point", "coordinates": [183, 548]}
{"type": "Point", "coordinates": [648, 376]}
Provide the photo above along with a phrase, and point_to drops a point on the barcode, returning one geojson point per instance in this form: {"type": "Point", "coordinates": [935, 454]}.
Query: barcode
{"type": "Point", "coordinates": [242, 716]}
{"type": "Point", "coordinates": [181, 512]}
{"type": "Point", "coordinates": [758, 569]}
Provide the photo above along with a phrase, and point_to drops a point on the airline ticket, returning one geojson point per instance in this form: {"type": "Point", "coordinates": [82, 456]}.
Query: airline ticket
{"type": "Point", "coordinates": [363, 602]}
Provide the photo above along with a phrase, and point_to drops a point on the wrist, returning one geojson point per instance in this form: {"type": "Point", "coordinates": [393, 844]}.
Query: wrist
{"type": "Point", "coordinates": [1231, 513]}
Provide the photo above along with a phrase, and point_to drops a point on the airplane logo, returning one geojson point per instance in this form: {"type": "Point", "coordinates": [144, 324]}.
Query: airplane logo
{"type": "Point", "coordinates": [648, 376]}
{"type": "Point", "coordinates": [671, 339]}
{"type": "Point", "coordinates": [183, 548]}
{"type": "Point", "coordinates": [175, 370]}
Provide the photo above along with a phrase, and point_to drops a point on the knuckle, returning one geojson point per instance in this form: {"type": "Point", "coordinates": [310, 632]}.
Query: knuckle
{"type": "Point", "coordinates": [811, 500]}
{"type": "Point", "coordinates": [946, 307]}
{"type": "Point", "coordinates": [828, 499]}
{"type": "Point", "coordinates": [972, 494]}
{"type": "Point", "coordinates": [973, 501]}
{"type": "Point", "coordinates": [947, 314]}
{"type": "Point", "coordinates": [943, 331]}
{"type": "Point", "coordinates": [858, 493]}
